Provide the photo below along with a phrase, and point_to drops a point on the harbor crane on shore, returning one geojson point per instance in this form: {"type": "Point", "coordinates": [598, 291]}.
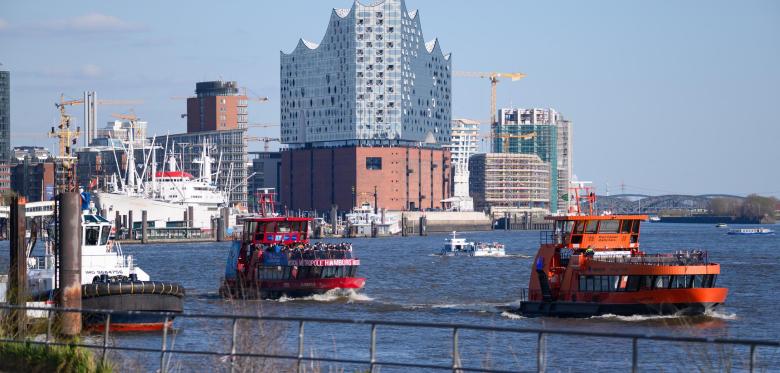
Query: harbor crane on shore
{"type": "Point", "coordinates": [494, 79]}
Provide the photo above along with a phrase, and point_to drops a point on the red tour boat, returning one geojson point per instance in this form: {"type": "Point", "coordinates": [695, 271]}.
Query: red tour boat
{"type": "Point", "coordinates": [592, 265]}
{"type": "Point", "coordinates": [274, 258]}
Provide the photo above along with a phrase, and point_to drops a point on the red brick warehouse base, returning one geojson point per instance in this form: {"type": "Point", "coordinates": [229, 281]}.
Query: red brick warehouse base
{"type": "Point", "coordinates": [405, 177]}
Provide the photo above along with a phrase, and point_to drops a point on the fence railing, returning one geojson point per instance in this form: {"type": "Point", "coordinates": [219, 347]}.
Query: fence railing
{"type": "Point", "coordinates": [372, 363]}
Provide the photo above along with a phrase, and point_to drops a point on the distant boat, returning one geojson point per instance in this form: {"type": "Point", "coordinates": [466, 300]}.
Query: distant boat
{"type": "Point", "coordinates": [455, 246]}
{"type": "Point", "coordinates": [751, 231]}
{"type": "Point", "coordinates": [654, 218]}
{"type": "Point", "coordinates": [721, 225]}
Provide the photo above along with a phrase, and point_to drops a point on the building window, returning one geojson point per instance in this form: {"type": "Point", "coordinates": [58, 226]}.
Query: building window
{"type": "Point", "coordinates": [373, 163]}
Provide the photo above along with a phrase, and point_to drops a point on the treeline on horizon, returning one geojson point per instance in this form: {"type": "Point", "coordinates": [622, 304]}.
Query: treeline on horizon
{"type": "Point", "coordinates": [752, 207]}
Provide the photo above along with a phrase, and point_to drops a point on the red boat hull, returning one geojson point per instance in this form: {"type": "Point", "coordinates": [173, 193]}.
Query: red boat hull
{"type": "Point", "coordinates": [290, 288]}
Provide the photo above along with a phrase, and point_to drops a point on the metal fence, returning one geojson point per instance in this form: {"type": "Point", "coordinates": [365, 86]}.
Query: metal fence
{"type": "Point", "coordinates": [372, 363]}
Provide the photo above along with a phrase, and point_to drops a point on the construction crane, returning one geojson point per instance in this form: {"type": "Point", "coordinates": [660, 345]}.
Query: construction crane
{"type": "Point", "coordinates": [67, 138]}
{"type": "Point", "coordinates": [507, 136]}
{"type": "Point", "coordinates": [494, 79]}
{"type": "Point", "coordinates": [266, 141]}
{"type": "Point", "coordinates": [90, 113]}
{"type": "Point", "coordinates": [262, 125]}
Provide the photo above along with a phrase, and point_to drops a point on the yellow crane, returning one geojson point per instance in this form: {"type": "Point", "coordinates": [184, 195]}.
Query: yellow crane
{"type": "Point", "coordinates": [507, 136]}
{"type": "Point", "coordinates": [494, 79]}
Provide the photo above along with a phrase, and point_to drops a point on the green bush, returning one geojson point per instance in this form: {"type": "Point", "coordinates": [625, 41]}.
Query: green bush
{"type": "Point", "coordinates": [29, 357]}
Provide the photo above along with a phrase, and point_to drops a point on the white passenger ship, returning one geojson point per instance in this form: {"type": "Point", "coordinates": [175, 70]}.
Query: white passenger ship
{"type": "Point", "coordinates": [455, 246]}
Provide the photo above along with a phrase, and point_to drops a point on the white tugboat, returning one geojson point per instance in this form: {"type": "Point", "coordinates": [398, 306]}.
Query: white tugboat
{"type": "Point", "coordinates": [110, 280]}
{"type": "Point", "coordinates": [455, 246]}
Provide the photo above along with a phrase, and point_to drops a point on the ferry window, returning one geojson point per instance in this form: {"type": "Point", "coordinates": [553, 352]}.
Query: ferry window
{"type": "Point", "coordinates": [91, 236]}
{"type": "Point", "coordinates": [696, 281]}
{"type": "Point", "coordinates": [284, 227]}
{"type": "Point", "coordinates": [373, 163]}
{"type": "Point", "coordinates": [626, 228]}
{"type": "Point", "coordinates": [270, 227]}
{"type": "Point", "coordinates": [622, 283]}
{"type": "Point", "coordinates": [709, 281]}
{"type": "Point", "coordinates": [679, 282]}
{"type": "Point", "coordinates": [579, 227]}
{"type": "Point", "coordinates": [633, 283]}
{"type": "Point", "coordinates": [635, 227]}
{"type": "Point", "coordinates": [576, 239]}
{"type": "Point", "coordinates": [104, 235]}
{"type": "Point", "coordinates": [609, 226]}
{"type": "Point", "coordinates": [661, 282]}
{"type": "Point", "coordinates": [592, 226]}
{"type": "Point", "coordinates": [646, 282]}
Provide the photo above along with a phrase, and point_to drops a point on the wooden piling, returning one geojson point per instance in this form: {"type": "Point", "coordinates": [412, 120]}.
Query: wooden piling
{"type": "Point", "coordinates": [17, 271]}
{"type": "Point", "coordinates": [70, 262]}
{"type": "Point", "coordinates": [144, 227]}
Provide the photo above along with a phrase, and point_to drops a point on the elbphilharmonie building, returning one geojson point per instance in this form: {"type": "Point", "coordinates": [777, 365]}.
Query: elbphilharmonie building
{"type": "Point", "coordinates": [372, 80]}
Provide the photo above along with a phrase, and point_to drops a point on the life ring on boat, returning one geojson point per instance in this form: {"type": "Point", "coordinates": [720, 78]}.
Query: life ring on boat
{"type": "Point", "coordinates": [555, 278]}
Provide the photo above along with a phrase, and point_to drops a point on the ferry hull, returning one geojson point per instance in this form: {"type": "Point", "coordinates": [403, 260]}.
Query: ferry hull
{"type": "Point", "coordinates": [289, 288]}
{"type": "Point", "coordinates": [583, 309]}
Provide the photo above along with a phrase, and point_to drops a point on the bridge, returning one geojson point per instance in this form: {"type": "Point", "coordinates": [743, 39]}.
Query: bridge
{"type": "Point", "coordinates": [641, 203]}
{"type": "Point", "coordinates": [32, 209]}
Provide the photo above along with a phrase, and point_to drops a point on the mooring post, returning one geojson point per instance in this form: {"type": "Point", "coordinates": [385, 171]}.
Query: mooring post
{"type": "Point", "coordinates": [220, 229]}
{"type": "Point", "coordinates": [225, 218]}
{"type": "Point", "coordinates": [423, 226]}
{"type": "Point", "coordinates": [144, 226]}
{"type": "Point", "coordinates": [70, 262]}
{"type": "Point", "coordinates": [17, 270]}
{"type": "Point", "coordinates": [191, 216]}
{"type": "Point", "coordinates": [117, 224]}
{"type": "Point", "coordinates": [130, 224]}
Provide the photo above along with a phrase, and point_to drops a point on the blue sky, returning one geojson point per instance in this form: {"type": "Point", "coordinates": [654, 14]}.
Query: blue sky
{"type": "Point", "coordinates": [666, 96]}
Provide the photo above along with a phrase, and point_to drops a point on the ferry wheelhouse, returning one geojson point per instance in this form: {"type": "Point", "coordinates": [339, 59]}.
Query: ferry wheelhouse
{"type": "Point", "coordinates": [275, 258]}
{"type": "Point", "coordinates": [593, 265]}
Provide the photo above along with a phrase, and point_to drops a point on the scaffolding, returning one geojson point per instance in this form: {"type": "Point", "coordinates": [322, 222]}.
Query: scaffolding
{"type": "Point", "coordinates": [514, 181]}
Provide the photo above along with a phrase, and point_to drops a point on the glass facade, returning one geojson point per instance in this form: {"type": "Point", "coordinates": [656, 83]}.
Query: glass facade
{"type": "Point", "coordinates": [371, 81]}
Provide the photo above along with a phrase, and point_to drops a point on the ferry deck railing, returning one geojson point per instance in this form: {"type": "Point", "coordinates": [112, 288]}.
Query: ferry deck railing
{"type": "Point", "coordinates": [167, 350]}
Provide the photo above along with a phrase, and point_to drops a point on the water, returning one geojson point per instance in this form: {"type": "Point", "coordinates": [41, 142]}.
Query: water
{"type": "Point", "coordinates": [406, 282]}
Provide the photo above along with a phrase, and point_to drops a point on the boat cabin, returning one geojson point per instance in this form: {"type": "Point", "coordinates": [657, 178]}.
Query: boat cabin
{"type": "Point", "coordinates": [276, 231]}
{"type": "Point", "coordinates": [607, 232]}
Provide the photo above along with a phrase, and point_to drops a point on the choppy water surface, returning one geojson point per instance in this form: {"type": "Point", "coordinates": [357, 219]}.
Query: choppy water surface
{"type": "Point", "coordinates": [405, 282]}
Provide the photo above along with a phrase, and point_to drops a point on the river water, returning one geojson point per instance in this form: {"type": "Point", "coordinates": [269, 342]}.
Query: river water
{"type": "Point", "coordinates": [405, 281]}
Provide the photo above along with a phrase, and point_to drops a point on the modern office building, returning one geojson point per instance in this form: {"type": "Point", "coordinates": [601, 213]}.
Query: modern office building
{"type": "Point", "coordinates": [266, 167]}
{"type": "Point", "coordinates": [33, 175]}
{"type": "Point", "coordinates": [5, 130]}
{"type": "Point", "coordinates": [228, 148]}
{"type": "Point", "coordinates": [464, 143]}
{"type": "Point", "coordinates": [5, 117]}
{"type": "Point", "coordinates": [376, 91]}
{"type": "Point", "coordinates": [217, 106]}
{"type": "Point", "coordinates": [509, 182]}
{"type": "Point", "coordinates": [546, 133]}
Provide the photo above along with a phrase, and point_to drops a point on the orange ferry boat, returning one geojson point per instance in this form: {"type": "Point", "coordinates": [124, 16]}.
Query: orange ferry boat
{"type": "Point", "coordinates": [592, 265]}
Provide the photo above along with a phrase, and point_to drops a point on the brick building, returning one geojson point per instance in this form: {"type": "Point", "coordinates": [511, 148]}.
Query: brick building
{"type": "Point", "coordinates": [217, 106]}
{"type": "Point", "coordinates": [405, 178]}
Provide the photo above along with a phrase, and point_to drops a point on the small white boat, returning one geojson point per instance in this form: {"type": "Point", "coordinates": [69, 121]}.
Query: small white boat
{"type": "Point", "coordinates": [654, 218]}
{"type": "Point", "coordinates": [455, 246]}
{"type": "Point", "coordinates": [751, 231]}
{"type": "Point", "coordinates": [721, 225]}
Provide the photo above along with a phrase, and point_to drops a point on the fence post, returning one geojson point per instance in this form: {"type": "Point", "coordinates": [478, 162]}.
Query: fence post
{"type": "Point", "coordinates": [164, 345]}
{"type": "Point", "coordinates": [48, 328]}
{"type": "Point", "coordinates": [105, 337]}
{"type": "Point", "coordinates": [455, 351]}
{"type": "Point", "coordinates": [301, 367]}
{"type": "Point", "coordinates": [634, 356]}
{"type": "Point", "coordinates": [233, 345]}
{"type": "Point", "coordinates": [752, 358]}
{"type": "Point", "coordinates": [540, 351]}
{"type": "Point", "coordinates": [373, 347]}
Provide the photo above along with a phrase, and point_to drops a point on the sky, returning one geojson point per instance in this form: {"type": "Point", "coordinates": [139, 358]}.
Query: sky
{"type": "Point", "coordinates": [666, 96]}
